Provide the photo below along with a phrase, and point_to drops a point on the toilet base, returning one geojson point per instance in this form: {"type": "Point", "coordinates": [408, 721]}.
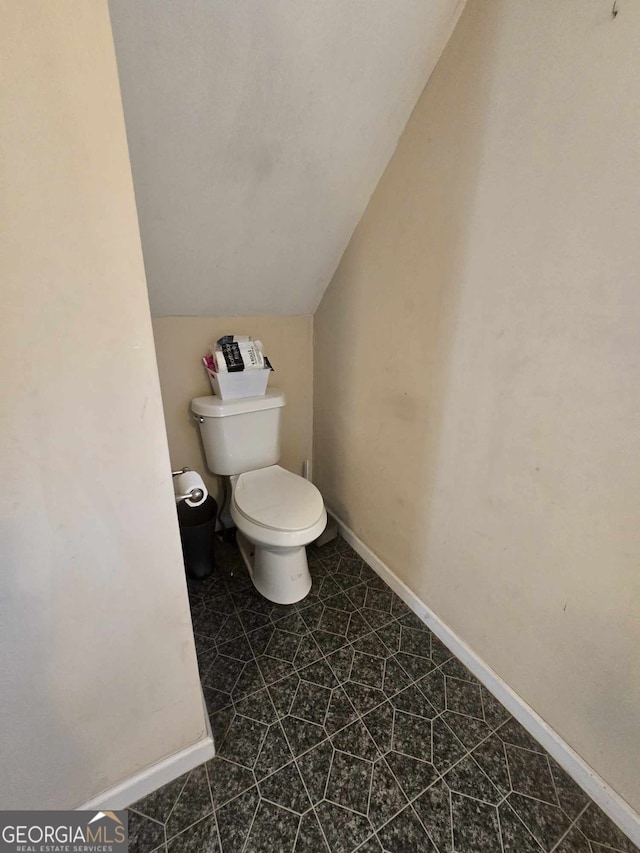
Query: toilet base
{"type": "Point", "coordinates": [281, 575]}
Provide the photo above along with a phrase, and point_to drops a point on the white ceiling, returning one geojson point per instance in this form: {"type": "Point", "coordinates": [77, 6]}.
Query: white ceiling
{"type": "Point", "coordinates": [258, 130]}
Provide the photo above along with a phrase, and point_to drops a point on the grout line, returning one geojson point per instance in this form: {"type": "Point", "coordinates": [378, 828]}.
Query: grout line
{"type": "Point", "coordinates": [295, 840]}
{"type": "Point", "coordinates": [453, 841]}
{"type": "Point", "coordinates": [185, 828]}
{"type": "Point", "coordinates": [499, 827]}
{"type": "Point", "coordinates": [246, 840]}
{"type": "Point", "coordinates": [571, 826]}
{"type": "Point", "coordinates": [521, 821]}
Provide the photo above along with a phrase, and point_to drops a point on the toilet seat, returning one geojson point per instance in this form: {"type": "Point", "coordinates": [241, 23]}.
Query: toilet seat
{"type": "Point", "coordinates": [278, 500]}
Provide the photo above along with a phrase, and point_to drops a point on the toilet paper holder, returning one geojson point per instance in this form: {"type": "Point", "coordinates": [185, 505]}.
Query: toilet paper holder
{"type": "Point", "coordinates": [194, 494]}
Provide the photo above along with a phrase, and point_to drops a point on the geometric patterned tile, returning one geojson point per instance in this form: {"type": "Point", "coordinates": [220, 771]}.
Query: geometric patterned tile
{"type": "Point", "coordinates": [348, 601]}
{"type": "Point", "coordinates": [193, 803]}
{"type": "Point", "coordinates": [235, 819]}
{"type": "Point", "coordinates": [371, 846]}
{"type": "Point", "coordinates": [159, 804]}
{"type": "Point", "coordinates": [434, 810]}
{"type": "Point", "coordinates": [334, 621]}
{"type": "Point", "coordinates": [283, 645]}
{"type": "Point", "coordinates": [463, 697]}
{"type": "Point", "coordinates": [376, 618]}
{"type": "Point", "coordinates": [328, 642]}
{"type": "Point", "coordinates": [340, 712]}
{"type": "Point", "coordinates": [447, 749]}
{"type": "Point", "coordinates": [301, 734]}
{"type": "Point", "coordinates": [371, 644]}
{"type": "Point", "coordinates": [440, 654]}
{"type": "Point", "coordinates": [305, 700]}
{"type": "Point", "coordinates": [412, 735]}
{"type": "Point", "coordinates": [293, 623]}
{"type": "Point", "coordinates": [516, 838]}
{"type": "Point", "coordinates": [286, 788]}
{"type": "Point", "coordinates": [356, 740]}
{"type": "Point", "coordinates": [319, 673]}
{"type": "Point", "coordinates": [216, 700]}
{"type": "Point", "coordinates": [220, 723]}
{"type": "Point", "coordinates": [411, 700]}
{"type": "Point", "coordinates": [475, 824]}
{"type": "Point", "coordinates": [349, 782]}
{"type": "Point", "coordinates": [310, 838]}
{"type": "Point", "coordinates": [274, 669]}
{"type": "Point", "coordinates": [368, 670]}
{"type": "Point", "coordinates": [341, 662]}
{"type": "Point", "coordinates": [530, 774]}
{"type": "Point", "coordinates": [225, 674]}
{"type": "Point", "coordinates": [308, 652]}
{"type": "Point", "coordinates": [571, 797]}
{"type": "Point", "coordinates": [314, 766]}
{"type": "Point", "coordinates": [495, 714]}
{"type": "Point", "coordinates": [248, 682]}
{"type": "Point", "coordinates": [433, 687]}
{"type": "Point", "coordinates": [227, 780]}
{"type": "Point", "coordinates": [145, 834]}
{"type": "Point", "coordinates": [395, 677]}
{"type": "Point", "coordinates": [390, 636]}
{"type": "Point", "coordinates": [415, 665]}
{"type": "Point", "coordinates": [515, 734]}
{"type": "Point", "coordinates": [362, 697]}
{"type": "Point", "coordinates": [412, 621]}
{"type": "Point", "coordinates": [243, 741]}
{"type": "Point", "coordinates": [467, 778]}
{"type": "Point", "coordinates": [469, 730]}
{"type": "Point", "coordinates": [491, 756]}
{"type": "Point", "coordinates": [415, 641]}
{"type": "Point", "coordinates": [274, 752]}
{"type": "Point", "coordinates": [200, 836]}
{"type": "Point", "coordinates": [405, 833]}
{"type": "Point", "coordinates": [257, 706]}
{"type": "Point", "coordinates": [387, 797]}
{"type": "Point", "coordinates": [597, 827]}
{"type": "Point", "coordinates": [379, 723]}
{"type": "Point", "coordinates": [344, 830]}
{"type": "Point", "coordinates": [379, 599]}
{"type": "Point", "coordinates": [283, 693]}
{"type": "Point", "coordinates": [546, 823]}
{"type": "Point", "coordinates": [413, 775]}
{"type": "Point", "coordinates": [311, 702]}
{"type": "Point", "coordinates": [358, 626]}
{"type": "Point", "coordinates": [574, 842]}
{"type": "Point", "coordinates": [274, 828]}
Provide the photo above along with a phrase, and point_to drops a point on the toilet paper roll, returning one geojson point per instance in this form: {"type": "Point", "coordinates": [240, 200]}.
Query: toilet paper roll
{"type": "Point", "coordinates": [185, 483]}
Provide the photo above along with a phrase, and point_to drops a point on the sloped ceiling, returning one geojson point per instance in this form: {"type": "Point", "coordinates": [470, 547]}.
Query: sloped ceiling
{"type": "Point", "coordinates": [258, 130]}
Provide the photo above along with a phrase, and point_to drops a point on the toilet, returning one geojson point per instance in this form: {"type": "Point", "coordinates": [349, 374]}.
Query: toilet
{"type": "Point", "coordinates": [277, 513]}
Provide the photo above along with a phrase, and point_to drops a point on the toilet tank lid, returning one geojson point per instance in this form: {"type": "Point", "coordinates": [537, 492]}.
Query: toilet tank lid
{"type": "Point", "coordinates": [216, 407]}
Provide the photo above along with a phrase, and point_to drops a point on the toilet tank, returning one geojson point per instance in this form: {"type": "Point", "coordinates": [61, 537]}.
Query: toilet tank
{"type": "Point", "coordinates": [240, 435]}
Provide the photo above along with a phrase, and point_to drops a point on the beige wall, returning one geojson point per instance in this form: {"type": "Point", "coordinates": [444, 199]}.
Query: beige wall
{"type": "Point", "coordinates": [477, 404]}
{"type": "Point", "coordinates": [180, 344]}
{"type": "Point", "coordinates": [99, 676]}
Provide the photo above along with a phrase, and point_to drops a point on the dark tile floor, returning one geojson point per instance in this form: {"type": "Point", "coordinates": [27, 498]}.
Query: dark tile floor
{"type": "Point", "coordinates": [342, 723]}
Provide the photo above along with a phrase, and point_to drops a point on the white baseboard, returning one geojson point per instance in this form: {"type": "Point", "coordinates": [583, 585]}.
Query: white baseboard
{"type": "Point", "coordinates": [133, 789]}
{"type": "Point", "coordinates": [602, 794]}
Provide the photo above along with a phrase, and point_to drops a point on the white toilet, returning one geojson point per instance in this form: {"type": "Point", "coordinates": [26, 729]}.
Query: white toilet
{"type": "Point", "coordinates": [277, 513]}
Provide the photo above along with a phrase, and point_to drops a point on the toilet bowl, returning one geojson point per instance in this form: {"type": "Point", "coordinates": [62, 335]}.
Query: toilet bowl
{"type": "Point", "coordinates": [277, 514]}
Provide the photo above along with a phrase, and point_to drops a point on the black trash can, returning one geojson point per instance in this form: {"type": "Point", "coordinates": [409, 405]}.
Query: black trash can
{"type": "Point", "coordinates": [197, 532]}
